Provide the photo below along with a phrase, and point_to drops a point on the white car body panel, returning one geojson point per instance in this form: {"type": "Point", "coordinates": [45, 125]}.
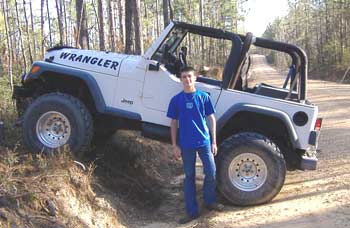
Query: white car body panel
{"type": "Point", "coordinates": [108, 87]}
{"type": "Point", "coordinates": [130, 85]}
{"type": "Point", "coordinates": [88, 60]}
{"type": "Point", "coordinates": [230, 97]}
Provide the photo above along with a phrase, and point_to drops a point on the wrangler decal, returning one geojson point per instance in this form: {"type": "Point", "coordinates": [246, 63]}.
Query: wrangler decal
{"type": "Point", "coordinates": [91, 60]}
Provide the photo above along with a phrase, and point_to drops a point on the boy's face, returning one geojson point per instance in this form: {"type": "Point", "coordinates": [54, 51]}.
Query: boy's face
{"type": "Point", "coordinates": [188, 78]}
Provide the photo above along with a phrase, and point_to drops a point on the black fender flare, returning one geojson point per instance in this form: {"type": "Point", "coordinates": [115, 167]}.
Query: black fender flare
{"type": "Point", "coordinates": [234, 109]}
{"type": "Point", "coordinates": [43, 68]}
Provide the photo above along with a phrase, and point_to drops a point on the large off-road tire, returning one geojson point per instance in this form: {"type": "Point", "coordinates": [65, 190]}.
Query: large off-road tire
{"type": "Point", "coordinates": [54, 120]}
{"type": "Point", "coordinates": [251, 169]}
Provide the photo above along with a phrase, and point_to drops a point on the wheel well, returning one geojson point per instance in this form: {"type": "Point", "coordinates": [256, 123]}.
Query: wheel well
{"type": "Point", "coordinates": [269, 126]}
{"type": "Point", "coordinates": [55, 82]}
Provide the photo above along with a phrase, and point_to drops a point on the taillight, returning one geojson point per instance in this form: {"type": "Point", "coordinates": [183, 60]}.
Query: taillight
{"type": "Point", "coordinates": [318, 124]}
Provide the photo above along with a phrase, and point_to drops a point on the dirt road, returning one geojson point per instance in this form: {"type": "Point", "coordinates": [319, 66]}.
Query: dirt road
{"type": "Point", "coordinates": [318, 198]}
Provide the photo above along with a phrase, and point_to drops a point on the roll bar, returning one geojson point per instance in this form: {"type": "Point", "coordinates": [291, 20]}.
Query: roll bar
{"type": "Point", "coordinates": [298, 56]}
{"type": "Point", "coordinates": [233, 62]}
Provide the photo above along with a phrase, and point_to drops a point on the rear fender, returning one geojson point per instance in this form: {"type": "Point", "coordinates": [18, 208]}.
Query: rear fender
{"type": "Point", "coordinates": [232, 111]}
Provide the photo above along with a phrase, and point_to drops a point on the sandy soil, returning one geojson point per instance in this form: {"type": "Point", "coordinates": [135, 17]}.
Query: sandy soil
{"type": "Point", "coordinates": [319, 198]}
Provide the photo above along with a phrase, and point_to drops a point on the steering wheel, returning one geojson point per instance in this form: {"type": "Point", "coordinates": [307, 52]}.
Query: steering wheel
{"type": "Point", "coordinates": [183, 57]}
{"type": "Point", "coordinates": [165, 53]}
{"type": "Point", "coordinates": [168, 59]}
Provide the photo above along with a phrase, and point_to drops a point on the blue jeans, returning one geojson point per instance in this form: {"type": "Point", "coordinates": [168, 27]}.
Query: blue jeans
{"type": "Point", "coordinates": [209, 185]}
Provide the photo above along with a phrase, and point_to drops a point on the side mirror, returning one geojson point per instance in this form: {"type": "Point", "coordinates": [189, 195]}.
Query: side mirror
{"type": "Point", "coordinates": [153, 67]}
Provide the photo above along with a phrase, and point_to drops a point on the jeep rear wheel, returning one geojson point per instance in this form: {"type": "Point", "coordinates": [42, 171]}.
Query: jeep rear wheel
{"type": "Point", "coordinates": [54, 120]}
{"type": "Point", "coordinates": [251, 169]}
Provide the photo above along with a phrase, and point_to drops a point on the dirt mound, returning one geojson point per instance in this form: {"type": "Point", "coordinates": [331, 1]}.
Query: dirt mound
{"type": "Point", "coordinates": [37, 191]}
{"type": "Point", "coordinates": [122, 182]}
{"type": "Point", "coordinates": [136, 168]}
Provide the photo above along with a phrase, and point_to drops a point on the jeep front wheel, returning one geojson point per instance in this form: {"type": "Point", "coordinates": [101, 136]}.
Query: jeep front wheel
{"type": "Point", "coordinates": [54, 120]}
{"type": "Point", "coordinates": [251, 169]}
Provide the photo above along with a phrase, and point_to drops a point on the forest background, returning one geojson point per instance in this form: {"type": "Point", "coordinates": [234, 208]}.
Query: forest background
{"type": "Point", "coordinates": [29, 27]}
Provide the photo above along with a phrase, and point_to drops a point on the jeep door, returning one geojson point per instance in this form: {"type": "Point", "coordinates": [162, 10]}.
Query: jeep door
{"type": "Point", "coordinates": [160, 87]}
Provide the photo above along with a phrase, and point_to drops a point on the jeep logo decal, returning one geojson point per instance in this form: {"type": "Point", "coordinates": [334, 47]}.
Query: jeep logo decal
{"type": "Point", "coordinates": [127, 101]}
{"type": "Point", "coordinates": [89, 59]}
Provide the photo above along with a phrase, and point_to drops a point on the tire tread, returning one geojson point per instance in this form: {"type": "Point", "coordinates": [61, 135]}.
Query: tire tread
{"type": "Point", "coordinates": [235, 141]}
{"type": "Point", "coordinates": [86, 116]}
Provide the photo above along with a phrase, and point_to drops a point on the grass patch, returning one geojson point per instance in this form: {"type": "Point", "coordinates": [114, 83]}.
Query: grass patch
{"type": "Point", "coordinates": [8, 115]}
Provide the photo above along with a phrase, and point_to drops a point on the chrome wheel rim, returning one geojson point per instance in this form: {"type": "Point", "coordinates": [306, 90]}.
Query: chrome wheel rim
{"type": "Point", "coordinates": [247, 172]}
{"type": "Point", "coordinates": [53, 129]}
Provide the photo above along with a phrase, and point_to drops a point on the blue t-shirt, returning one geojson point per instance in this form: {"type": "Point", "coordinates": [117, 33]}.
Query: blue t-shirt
{"type": "Point", "coordinates": [190, 109]}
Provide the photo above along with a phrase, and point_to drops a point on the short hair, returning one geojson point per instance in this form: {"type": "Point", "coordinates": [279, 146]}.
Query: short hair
{"type": "Point", "coordinates": [188, 69]}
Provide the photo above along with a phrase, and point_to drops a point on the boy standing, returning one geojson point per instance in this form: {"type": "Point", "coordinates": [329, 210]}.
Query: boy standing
{"type": "Point", "coordinates": [188, 111]}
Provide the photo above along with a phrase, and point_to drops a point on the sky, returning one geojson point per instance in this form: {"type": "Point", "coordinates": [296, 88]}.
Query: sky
{"type": "Point", "coordinates": [261, 13]}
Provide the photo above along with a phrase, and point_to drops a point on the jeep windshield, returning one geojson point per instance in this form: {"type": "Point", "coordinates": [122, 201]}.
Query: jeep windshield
{"type": "Point", "coordinates": [166, 51]}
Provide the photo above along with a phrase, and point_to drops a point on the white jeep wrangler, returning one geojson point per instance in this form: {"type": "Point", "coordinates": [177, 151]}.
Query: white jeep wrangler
{"type": "Point", "coordinates": [261, 130]}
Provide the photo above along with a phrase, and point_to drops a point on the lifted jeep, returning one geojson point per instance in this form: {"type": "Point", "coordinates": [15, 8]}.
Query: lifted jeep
{"type": "Point", "coordinates": [261, 130]}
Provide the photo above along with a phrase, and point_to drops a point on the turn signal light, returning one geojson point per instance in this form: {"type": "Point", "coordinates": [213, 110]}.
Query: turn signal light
{"type": "Point", "coordinates": [318, 124]}
{"type": "Point", "coordinates": [35, 69]}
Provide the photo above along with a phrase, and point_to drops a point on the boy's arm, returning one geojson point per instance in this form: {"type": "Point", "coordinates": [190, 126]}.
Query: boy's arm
{"type": "Point", "coordinates": [173, 132]}
{"type": "Point", "coordinates": [212, 123]}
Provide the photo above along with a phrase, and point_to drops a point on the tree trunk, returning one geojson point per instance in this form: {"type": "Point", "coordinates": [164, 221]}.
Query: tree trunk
{"type": "Point", "coordinates": [27, 32]}
{"type": "Point", "coordinates": [49, 20]}
{"type": "Point", "coordinates": [32, 27]}
{"type": "Point", "coordinates": [82, 32]}
{"type": "Point", "coordinates": [306, 43]}
{"type": "Point", "coordinates": [65, 22]}
{"type": "Point", "coordinates": [116, 25]}
{"type": "Point", "coordinates": [71, 26]}
{"type": "Point", "coordinates": [9, 45]}
{"type": "Point", "coordinates": [341, 32]}
{"type": "Point", "coordinates": [190, 46]}
{"type": "Point", "coordinates": [137, 27]}
{"type": "Point", "coordinates": [121, 23]}
{"type": "Point", "coordinates": [21, 39]}
{"type": "Point", "coordinates": [60, 22]}
{"type": "Point", "coordinates": [166, 13]}
{"type": "Point", "coordinates": [157, 17]}
{"type": "Point", "coordinates": [171, 10]}
{"type": "Point", "coordinates": [42, 28]}
{"type": "Point", "coordinates": [128, 27]}
{"type": "Point", "coordinates": [111, 26]}
{"type": "Point", "coordinates": [100, 23]}
{"type": "Point", "coordinates": [201, 21]}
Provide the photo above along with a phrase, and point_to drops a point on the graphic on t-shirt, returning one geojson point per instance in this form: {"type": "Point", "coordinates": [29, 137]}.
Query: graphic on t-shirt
{"type": "Point", "coordinates": [189, 105]}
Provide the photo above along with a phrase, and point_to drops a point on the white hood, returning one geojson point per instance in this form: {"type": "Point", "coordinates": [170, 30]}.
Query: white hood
{"type": "Point", "coordinates": [96, 61]}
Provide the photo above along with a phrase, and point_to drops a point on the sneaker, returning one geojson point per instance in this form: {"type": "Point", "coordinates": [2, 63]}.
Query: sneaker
{"type": "Point", "coordinates": [215, 207]}
{"type": "Point", "coordinates": [187, 219]}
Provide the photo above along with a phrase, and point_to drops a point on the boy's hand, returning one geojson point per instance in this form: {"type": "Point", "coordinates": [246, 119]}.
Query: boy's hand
{"type": "Point", "coordinates": [214, 149]}
{"type": "Point", "coordinates": [176, 152]}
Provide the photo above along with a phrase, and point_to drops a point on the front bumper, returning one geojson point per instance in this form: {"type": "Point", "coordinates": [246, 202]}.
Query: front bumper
{"type": "Point", "coordinates": [22, 96]}
{"type": "Point", "coordinates": [20, 92]}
